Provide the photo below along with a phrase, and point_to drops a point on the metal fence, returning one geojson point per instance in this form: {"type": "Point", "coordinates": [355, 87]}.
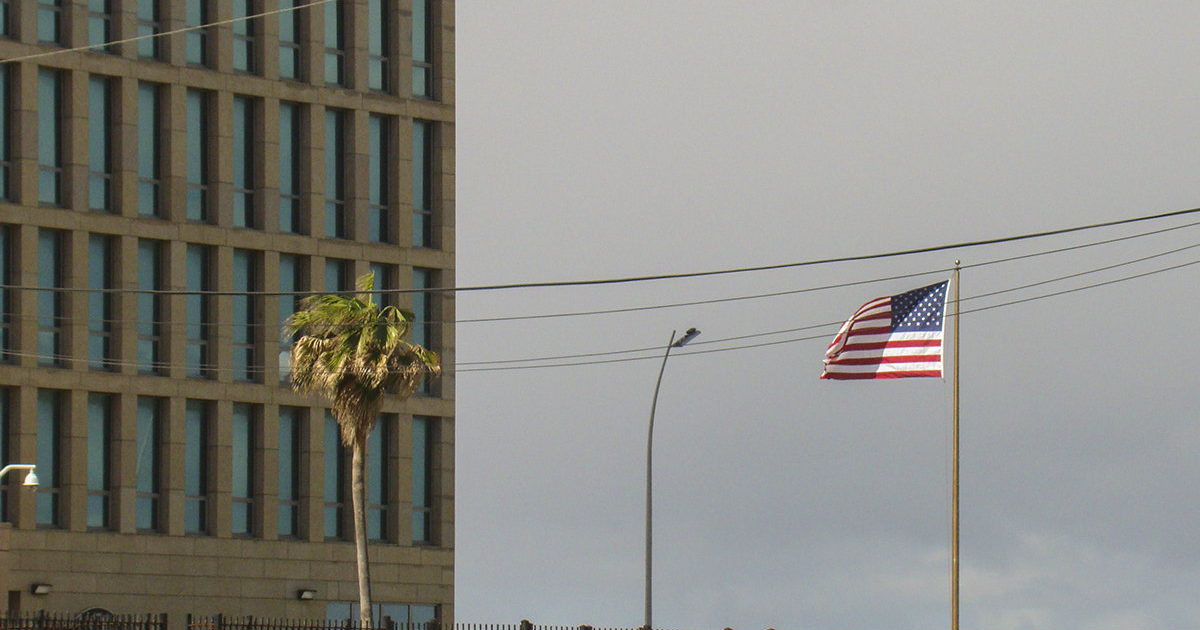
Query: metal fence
{"type": "Point", "coordinates": [102, 620]}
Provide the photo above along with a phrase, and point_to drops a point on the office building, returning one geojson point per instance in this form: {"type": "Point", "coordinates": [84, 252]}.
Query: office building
{"type": "Point", "coordinates": [166, 196]}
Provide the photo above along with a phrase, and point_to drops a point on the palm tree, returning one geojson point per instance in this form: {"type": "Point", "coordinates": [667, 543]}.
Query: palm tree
{"type": "Point", "coordinates": [352, 352]}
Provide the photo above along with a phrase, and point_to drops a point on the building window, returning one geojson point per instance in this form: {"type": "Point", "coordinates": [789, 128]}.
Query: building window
{"type": "Point", "coordinates": [422, 480]}
{"type": "Point", "coordinates": [50, 153]}
{"type": "Point", "coordinates": [149, 307]}
{"type": "Point", "coordinates": [423, 316]}
{"type": "Point", "coordinates": [49, 436]}
{"type": "Point", "coordinates": [149, 25]}
{"type": "Point", "coordinates": [5, 112]}
{"type": "Point", "coordinates": [198, 168]}
{"type": "Point", "coordinates": [5, 18]}
{"type": "Point", "coordinates": [4, 458]}
{"type": "Point", "coordinates": [7, 273]}
{"type": "Point", "coordinates": [385, 284]}
{"type": "Point", "coordinates": [422, 47]}
{"type": "Point", "coordinates": [199, 312]}
{"type": "Point", "coordinates": [49, 21]}
{"type": "Point", "coordinates": [195, 466]}
{"type": "Point", "coordinates": [99, 459]}
{"type": "Point", "coordinates": [290, 419]}
{"type": "Point", "coordinates": [100, 24]}
{"type": "Point", "coordinates": [246, 315]}
{"type": "Point", "coordinates": [379, 27]}
{"type": "Point", "coordinates": [377, 477]}
{"type": "Point", "coordinates": [422, 203]}
{"type": "Point", "coordinates": [337, 275]}
{"type": "Point", "coordinates": [50, 297]}
{"type": "Point", "coordinates": [291, 281]}
{"type": "Point", "coordinates": [379, 201]}
{"type": "Point", "coordinates": [100, 123]}
{"type": "Point", "coordinates": [147, 463]}
{"type": "Point", "coordinates": [244, 33]}
{"type": "Point", "coordinates": [148, 149]}
{"type": "Point", "coordinates": [195, 41]}
{"type": "Point", "coordinates": [335, 479]}
{"type": "Point", "coordinates": [243, 469]}
{"type": "Point", "coordinates": [335, 173]}
{"type": "Point", "coordinates": [243, 162]}
{"type": "Point", "coordinates": [410, 616]}
{"type": "Point", "coordinates": [289, 39]}
{"type": "Point", "coordinates": [101, 285]}
{"type": "Point", "coordinates": [289, 168]}
{"type": "Point", "coordinates": [335, 43]}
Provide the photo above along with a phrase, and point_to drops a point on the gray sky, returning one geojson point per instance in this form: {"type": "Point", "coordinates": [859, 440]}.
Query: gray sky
{"type": "Point", "coordinates": [621, 138]}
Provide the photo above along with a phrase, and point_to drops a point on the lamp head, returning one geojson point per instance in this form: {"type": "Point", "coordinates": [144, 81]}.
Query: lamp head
{"type": "Point", "coordinates": [31, 479]}
{"type": "Point", "coordinates": [691, 334]}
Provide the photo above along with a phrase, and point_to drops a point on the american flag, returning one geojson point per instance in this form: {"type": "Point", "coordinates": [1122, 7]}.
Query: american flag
{"type": "Point", "coordinates": [891, 337]}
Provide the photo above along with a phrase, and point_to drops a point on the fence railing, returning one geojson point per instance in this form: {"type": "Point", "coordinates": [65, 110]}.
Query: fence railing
{"type": "Point", "coordinates": [102, 620]}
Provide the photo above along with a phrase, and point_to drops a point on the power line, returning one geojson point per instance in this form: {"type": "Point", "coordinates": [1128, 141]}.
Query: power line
{"type": "Point", "coordinates": [825, 261]}
{"type": "Point", "coordinates": [825, 336]}
{"type": "Point", "coordinates": [129, 40]}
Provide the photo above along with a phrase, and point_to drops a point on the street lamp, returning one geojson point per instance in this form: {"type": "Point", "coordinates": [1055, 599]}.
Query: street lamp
{"type": "Point", "coordinates": [30, 479]}
{"type": "Point", "coordinates": [691, 334]}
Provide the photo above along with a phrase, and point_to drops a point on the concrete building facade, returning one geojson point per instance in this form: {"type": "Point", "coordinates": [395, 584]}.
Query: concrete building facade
{"type": "Point", "coordinates": [165, 200]}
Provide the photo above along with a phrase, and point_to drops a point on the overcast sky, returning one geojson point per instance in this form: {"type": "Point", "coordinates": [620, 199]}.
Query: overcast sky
{"type": "Point", "coordinates": [626, 138]}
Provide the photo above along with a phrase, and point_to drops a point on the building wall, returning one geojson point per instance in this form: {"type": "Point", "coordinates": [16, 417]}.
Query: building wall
{"type": "Point", "coordinates": [122, 565]}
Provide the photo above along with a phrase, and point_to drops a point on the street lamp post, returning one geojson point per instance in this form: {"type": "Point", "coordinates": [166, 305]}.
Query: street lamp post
{"type": "Point", "coordinates": [691, 334]}
{"type": "Point", "coordinates": [30, 479]}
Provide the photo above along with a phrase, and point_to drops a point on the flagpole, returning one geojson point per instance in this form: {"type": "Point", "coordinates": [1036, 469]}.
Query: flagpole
{"type": "Point", "coordinates": [954, 483]}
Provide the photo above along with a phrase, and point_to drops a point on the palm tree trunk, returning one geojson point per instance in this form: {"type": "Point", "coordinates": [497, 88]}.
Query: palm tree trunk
{"type": "Point", "coordinates": [358, 483]}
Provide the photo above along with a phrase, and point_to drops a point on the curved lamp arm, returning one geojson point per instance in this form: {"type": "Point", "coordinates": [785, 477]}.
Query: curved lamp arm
{"type": "Point", "coordinates": [30, 479]}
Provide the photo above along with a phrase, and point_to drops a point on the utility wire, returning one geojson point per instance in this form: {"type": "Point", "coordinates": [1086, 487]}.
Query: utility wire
{"type": "Point", "coordinates": [63, 51]}
{"type": "Point", "coordinates": [825, 336]}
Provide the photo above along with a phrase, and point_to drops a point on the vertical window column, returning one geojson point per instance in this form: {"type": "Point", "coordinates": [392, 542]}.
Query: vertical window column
{"type": "Point", "coordinates": [242, 469]}
{"type": "Point", "coordinates": [289, 39]}
{"type": "Point", "coordinates": [195, 466]}
{"type": "Point", "coordinates": [378, 470]}
{"type": "Point", "coordinates": [50, 138]}
{"type": "Point", "coordinates": [5, 143]}
{"type": "Point", "coordinates": [289, 167]}
{"type": "Point", "coordinates": [100, 162]}
{"type": "Point", "coordinates": [49, 21]}
{"type": "Point", "coordinates": [379, 29]}
{"type": "Point", "coordinates": [7, 275]}
{"type": "Point", "coordinates": [247, 311]}
{"type": "Point", "coordinates": [149, 22]}
{"type": "Point", "coordinates": [335, 43]}
{"type": "Point", "coordinates": [379, 197]}
{"type": "Point", "coordinates": [422, 50]}
{"type": "Point", "coordinates": [291, 280]}
{"type": "Point", "coordinates": [148, 463]}
{"type": "Point", "coordinates": [51, 308]}
{"type": "Point", "coordinates": [245, 33]}
{"type": "Point", "coordinates": [422, 183]}
{"type": "Point", "coordinates": [424, 316]}
{"type": "Point", "coordinates": [6, 18]}
{"type": "Point", "coordinates": [198, 167]}
{"type": "Point", "coordinates": [243, 162]}
{"type": "Point", "coordinates": [100, 24]}
{"type": "Point", "coordinates": [335, 479]}
{"type": "Point", "coordinates": [101, 315]}
{"type": "Point", "coordinates": [49, 442]}
{"type": "Point", "coordinates": [422, 480]}
{"type": "Point", "coordinates": [150, 309]}
{"type": "Point", "coordinates": [5, 414]}
{"type": "Point", "coordinates": [99, 459]}
{"type": "Point", "coordinates": [290, 419]}
{"type": "Point", "coordinates": [199, 312]}
{"type": "Point", "coordinates": [335, 173]}
{"type": "Point", "coordinates": [149, 149]}
{"type": "Point", "coordinates": [196, 13]}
